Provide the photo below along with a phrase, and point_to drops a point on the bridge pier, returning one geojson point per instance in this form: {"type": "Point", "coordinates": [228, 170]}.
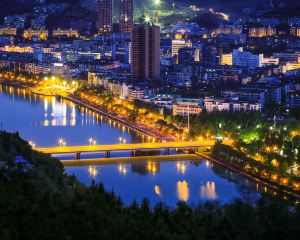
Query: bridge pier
{"type": "Point", "coordinates": [133, 153]}
{"type": "Point", "coordinates": [167, 151]}
{"type": "Point", "coordinates": [107, 154]}
{"type": "Point", "coordinates": [78, 156]}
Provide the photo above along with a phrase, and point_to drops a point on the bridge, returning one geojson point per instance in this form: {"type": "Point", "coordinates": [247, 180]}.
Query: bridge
{"type": "Point", "coordinates": [134, 147]}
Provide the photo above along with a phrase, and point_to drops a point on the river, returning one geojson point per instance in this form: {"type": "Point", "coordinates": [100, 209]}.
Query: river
{"type": "Point", "coordinates": [44, 120]}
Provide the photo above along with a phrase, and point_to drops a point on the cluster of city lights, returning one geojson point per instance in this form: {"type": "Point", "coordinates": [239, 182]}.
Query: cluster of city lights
{"type": "Point", "coordinates": [122, 140]}
{"type": "Point", "coordinates": [32, 144]}
{"type": "Point", "coordinates": [151, 166]}
{"type": "Point", "coordinates": [54, 81]}
{"type": "Point", "coordinates": [181, 167]}
{"type": "Point", "coordinates": [122, 169]}
{"type": "Point", "coordinates": [92, 141]}
{"type": "Point", "coordinates": [62, 142]}
{"type": "Point", "coordinates": [93, 171]}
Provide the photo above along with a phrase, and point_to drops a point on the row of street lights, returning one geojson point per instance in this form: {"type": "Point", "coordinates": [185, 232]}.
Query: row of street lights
{"type": "Point", "coordinates": [62, 142]}
{"type": "Point", "coordinates": [64, 82]}
{"type": "Point", "coordinates": [122, 140]}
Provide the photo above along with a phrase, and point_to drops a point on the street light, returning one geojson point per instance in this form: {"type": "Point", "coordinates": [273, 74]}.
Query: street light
{"type": "Point", "coordinates": [64, 84]}
{"type": "Point", "coordinates": [124, 141]}
{"type": "Point", "coordinates": [147, 19]}
{"type": "Point", "coordinates": [61, 142]}
{"type": "Point", "coordinates": [120, 139]}
{"type": "Point", "coordinates": [32, 144]}
{"type": "Point", "coordinates": [157, 3]}
{"type": "Point", "coordinates": [74, 84]}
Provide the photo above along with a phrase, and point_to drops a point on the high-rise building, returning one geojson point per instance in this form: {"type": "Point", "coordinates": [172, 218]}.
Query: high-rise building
{"type": "Point", "coordinates": [154, 52]}
{"type": "Point", "coordinates": [126, 16]}
{"type": "Point", "coordinates": [145, 52]}
{"type": "Point", "coordinates": [105, 16]}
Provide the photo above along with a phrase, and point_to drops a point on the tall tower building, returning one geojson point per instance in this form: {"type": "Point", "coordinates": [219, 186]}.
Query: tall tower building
{"type": "Point", "coordinates": [126, 16]}
{"type": "Point", "coordinates": [145, 61]}
{"type": "Point", "coordinates": [105, 16]}
{"type": "Point", "coordinates": [154, 52]}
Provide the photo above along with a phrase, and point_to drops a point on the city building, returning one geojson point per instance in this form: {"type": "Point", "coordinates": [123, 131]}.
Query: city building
{"type": "Point", "coordinates": [212, 104]}
{"type": "Point", "coordinates": [145, 52]}
{"type": "Point", "coordinates": [187, 106]}
{"type": "Point", "coordinates": [270, 61]}
{"type": "Point", "coordinates": [17, 49]}
{"type": "Point", "coordinates": [38, 22]}
{"type": "Point", "coordinates": [126, 16]}
{"type": "Point", "coordinates": [227, 29]}
{"type": "Point", "coordinates": [188, 55]}
{"type": "Point", "coordinates": [165, 100]}
{"type": "Point", "coordinates": [222, 104]}
{"type": "Point", "coordinates": [40, 34]}
{"type": "Point", "coordinates": [105, 16]}
{"type": "Point", "coordinates": [252, 95]}
{"type": "Point", "coordinates": [65, 33]}
{"type": "Point", "coordinates": [226, 59]}
{"type": "Point", "coordinates": [6, 40]}
{"type": "Point", "coordinates": [287, 56]}
{"type": "Point", "coordinates": [245, 106]}
{"type": "Point", "coordinates": [98, 65]}
{"type": "Point", "coordinates": [8, 31]}
{"type": "Point", "coordinates": [135, 93]}
{"type": "Point", "coordinates": [293, 99]}
{"type": "Point", "coordinates": [295, 31]}
{"type": "Point", "coordinates": [179, 43]}
{"type": "Point", "coordinates": [15, 21]}
{"type": "Point", "coordinates": [290, 66]}
{"type": "Point", "coordinates": [36, 69]}
{"type": "Point", "coordinates": [246, 59]}
{"type": "Point", "coordinates": [262, 32]}
{"type": "Point", "coordinates": [211, 54]}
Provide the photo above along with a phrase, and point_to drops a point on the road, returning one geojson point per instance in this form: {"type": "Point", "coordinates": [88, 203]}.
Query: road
{"type": "Point", "coordinates": [127, 147]}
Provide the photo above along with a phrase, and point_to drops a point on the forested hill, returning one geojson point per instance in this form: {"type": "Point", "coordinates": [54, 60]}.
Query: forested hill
{"type": "Point", "coordinates": [40, 202]}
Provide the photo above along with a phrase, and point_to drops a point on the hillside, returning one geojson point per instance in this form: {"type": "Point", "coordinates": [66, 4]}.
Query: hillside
{"type": "Point", "coordinates": [43, 203]}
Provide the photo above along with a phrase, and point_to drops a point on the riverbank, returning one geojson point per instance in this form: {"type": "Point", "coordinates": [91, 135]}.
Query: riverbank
{"type": "Point", "coordinates": [246, 174]}
{"type": "Point", "coordinates": [18, 84]}
{"type": "Point", "coordinates": [152, 134]}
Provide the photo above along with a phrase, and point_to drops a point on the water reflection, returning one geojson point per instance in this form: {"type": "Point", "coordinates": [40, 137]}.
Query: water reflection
{"type": "Point", "coordinates": [182, 191]}
{"type": "Point", "coordinates": [123, 169]}
{"type": "Point", "coordinates": [93, 172]}
{"type": "Point", "coordinates": [162, 182]}
{"type": "Point", "coordinates": [145, 168]}
{"type": "Point", "coordinates": [157, 190]}
{"type": "Point", "coordinates": [45, 119]}
{"type": "Point", "coordinates": [209, 191]}
{"type": "Point", "coordinates": [181, 167]}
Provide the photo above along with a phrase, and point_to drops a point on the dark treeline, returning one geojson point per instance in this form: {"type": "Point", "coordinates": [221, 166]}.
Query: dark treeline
{"type": "Point", "coordinates": [43, 203]}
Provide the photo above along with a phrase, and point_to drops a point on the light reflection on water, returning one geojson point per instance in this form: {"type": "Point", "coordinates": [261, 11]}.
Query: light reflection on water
{"type": "Point", "coordinates": [44, 120]}
{"type": "Point", "coordinates": [199, 182]}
